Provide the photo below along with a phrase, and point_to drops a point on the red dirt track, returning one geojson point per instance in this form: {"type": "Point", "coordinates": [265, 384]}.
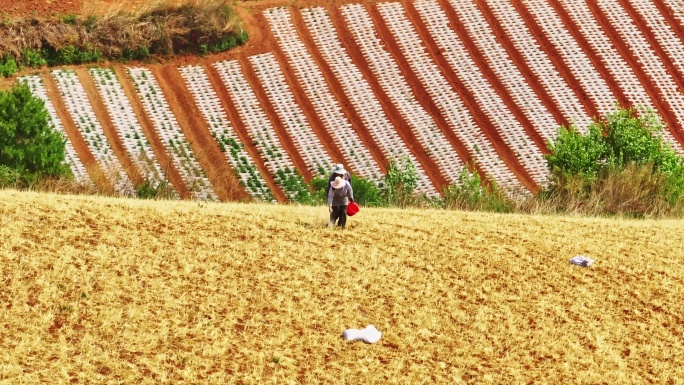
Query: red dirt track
{"type": "Point", "coordinates": [218, 170]}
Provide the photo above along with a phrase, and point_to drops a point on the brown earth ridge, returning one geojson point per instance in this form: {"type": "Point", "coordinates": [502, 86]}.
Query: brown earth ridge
{"type": "Point", "coordinates": [224, 179]}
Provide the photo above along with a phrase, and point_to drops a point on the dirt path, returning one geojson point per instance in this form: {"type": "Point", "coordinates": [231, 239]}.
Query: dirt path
{"type": "Point", "coordinates": [266, 105]}
{"type": "Point", "coordinates": [226, 184]}
{"type": "Point", "coordinates": [517, 58]}
{"type": "Point", "coordinates": [302, 99]}
{"type": "Point", "coordinates": [165, 162]}
{"type": "Point", "coordinates": [593, 56]}
{"type": "Point", "coordinates": [89, 162]}
{"type": "Point", "coordinates": [419, 91]}
{"type": "Point", "coordinates": [556, 59]}
{"type": "Point", "coordinates": [661, 105]}
{"type": "Point", "coordinates": [480, 59]}
{"type": "Point", "coordinates": [241, 132]}
{"type": "Point", "coordinates": [402, 127]}
{"type": "Point", "coordinates": [482, 120]}
{"type": "Point", "coordinates": [338, 92]}
{"type": "Point", "coordinates": [108, 126]}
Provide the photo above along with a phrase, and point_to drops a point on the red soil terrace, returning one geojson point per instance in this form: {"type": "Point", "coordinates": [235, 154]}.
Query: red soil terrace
{"type": "Point", "coordinates": [261, 40]}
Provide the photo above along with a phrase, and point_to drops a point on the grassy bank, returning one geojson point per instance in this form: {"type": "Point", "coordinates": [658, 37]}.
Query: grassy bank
{"type": "Point", "coordinates": [164, 28]}
{"type": "Point", "coordinates": [111, 290]}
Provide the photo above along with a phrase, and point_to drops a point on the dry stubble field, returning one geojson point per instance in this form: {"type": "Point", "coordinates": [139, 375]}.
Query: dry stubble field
{"type": "Point", "coordinates": [103, 290]}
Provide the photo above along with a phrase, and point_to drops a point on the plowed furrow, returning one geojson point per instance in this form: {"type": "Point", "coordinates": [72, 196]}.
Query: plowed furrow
{"type": "Point", "coordinates": [660, 103]}
{"type": "Point", "coordinates": [420, 92]}
{"type": "Point", "coordinates": [338, 92]}
{"type": "Point", "coordinates": [402, 127]}
{"type": "Point", "coordinates": [241, 132]}
{"type": "Point", "coordinates": [225, 184]}
{"type": "Point", "coordinates": [483, 121]}
{"type": "Point", "coordinates": [147, 127]}
{"type": "Point", "coordinates": [285, 139]}
{"type": "Point", "coordinates": [110, 132]}
{"type": "Point", "coordinates": [479, 58]}
{"type": "Point", "coordinates": [556, 59]}
{"type": "Point", "coordinates": [520, 62]}
{"type": "Point", "coordinates": [89, 162]}
{"type": "Point", "coordinates": [591, 53]}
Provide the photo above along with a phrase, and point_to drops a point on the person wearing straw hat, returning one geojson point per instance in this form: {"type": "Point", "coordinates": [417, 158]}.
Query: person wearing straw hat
{"type": "Point", "coordinates": [338, 171]}
{"type": "Point", "coordinates": [339, 196]}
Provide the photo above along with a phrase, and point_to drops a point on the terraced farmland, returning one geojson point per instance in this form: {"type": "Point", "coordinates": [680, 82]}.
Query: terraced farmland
{"type": "Point", "coordinates": [444, 83]}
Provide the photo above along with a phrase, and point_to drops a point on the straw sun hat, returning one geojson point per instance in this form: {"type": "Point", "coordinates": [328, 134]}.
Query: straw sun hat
{"type": "Point", "coordinates": [339, 182]}
{"type": "Point", "coordinates": [339, 169]}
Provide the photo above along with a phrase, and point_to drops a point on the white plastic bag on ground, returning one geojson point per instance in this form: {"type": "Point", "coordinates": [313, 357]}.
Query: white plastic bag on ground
{"type": "Point", "coordinates": [581, 260]}
{"type": "Point", "coordinates": [369, 335]}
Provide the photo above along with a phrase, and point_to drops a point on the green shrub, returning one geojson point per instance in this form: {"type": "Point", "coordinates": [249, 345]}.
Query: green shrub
{"type": "Point", "coordinates": [140, 53]}
{"type": "Point", "coordinates": [470, 194]}
{"type": "Point", "coordinates": [29, 148]}
{"type": "Point", "coordinates": [576, 154]}
{"type": "Point", "coordinates": [319, 185]}
{"type": "Point", "coordinates": [151, 190]}
{"type": "Point", "coordinates": [8, 66]}
{"type": "Point", "coordinates": [32, 58]}
{"type": "Point", "coordinates": [400, 182]}
{"type": "Point", "coordinates": [366, 193]}
{"type": "Point", "coordinates": [621, 165]}
{"type": "Point", "coordinates": [70, 18]}
{"type": "Point", "coordinates": [70, 54]}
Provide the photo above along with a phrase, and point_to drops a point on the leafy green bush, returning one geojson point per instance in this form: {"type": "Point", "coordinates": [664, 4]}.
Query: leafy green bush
{"type": "Point", "coordinates": [470, 194]}
{"type": "Point", "coordinates": [366, 193]}
{"type": "Point", "coordinates": [8, 66]}
{"type": "Point", "coordinates": [151, 190]}
{"type": "Point", "coordinates": [70, 54]}
{"type": "Point", "coordinates": [141, 53]}
{"type": "Point", "coordinates": [399, 184]}
{"type": "Point", "coordinates": [32, 58]}
{"type": "Point", "coordinates": [319, 185]}
{"type": "Point", "coordinates": [294, 186]}
{"type": "Point", "coordinates": [624, 136]}
{"type": "Point", "coordinates": [620, 165]}
{"type": "Point", "coordinates": [29, 148]}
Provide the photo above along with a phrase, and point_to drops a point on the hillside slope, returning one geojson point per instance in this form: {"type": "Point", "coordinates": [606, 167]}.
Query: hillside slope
{"type": "Point", "coordinates": [111, 290]}
{"type": "Point", "coordinates": [444, 83]}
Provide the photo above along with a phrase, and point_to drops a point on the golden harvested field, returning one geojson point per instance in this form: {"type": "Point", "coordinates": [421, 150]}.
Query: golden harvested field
{"type": "Point", "coordinates": [102, 290]}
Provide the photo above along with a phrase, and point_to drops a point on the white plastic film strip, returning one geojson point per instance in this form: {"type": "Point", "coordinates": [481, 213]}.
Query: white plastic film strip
{"type": "Point", "coordinates": [81, 111]}
{"type": "Point", "coordinates": [35, 84]}
{"type": "Point", "coordinates": [361, 95]}
{"type": "Point", "coordinates": [171, 135]}
{"type": "Point", "coordinates": [197, 81]}
{"type": "Point", "coordinates": [311, 78]}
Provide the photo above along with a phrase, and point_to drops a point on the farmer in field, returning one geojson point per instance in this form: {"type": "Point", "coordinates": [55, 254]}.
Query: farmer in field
{"type": "Point", "coordinates": [339, 196]}
{"type": "Point", "coordinates": [338, 171]}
